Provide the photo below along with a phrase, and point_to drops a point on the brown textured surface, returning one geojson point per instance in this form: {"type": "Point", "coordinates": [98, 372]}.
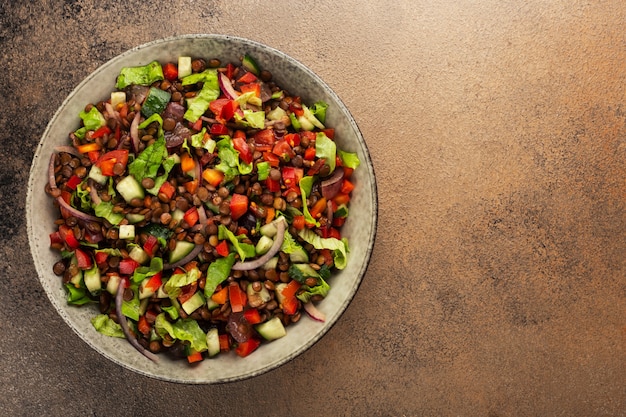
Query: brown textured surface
{"type": "Point", "coordinates": [497, 286]}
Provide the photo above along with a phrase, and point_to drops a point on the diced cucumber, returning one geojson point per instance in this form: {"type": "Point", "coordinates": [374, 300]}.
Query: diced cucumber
{"type": "Point", "coordinates": [211, 305]}
{"type": "Point", "coordinates": [298, 255]}
{"type": "Point", "coordinates": [250, 64]}
{"type": "Point", "coordinates": [342, 211]}
{"type": "Point", "coordinates": [271, 329]}
{"type": "Point", "coordinates": [294, 122]}
{"type": "Point", "coordinates": [139, 255]}
{"type": "Point", "coordinates": [306, 270]}
{"type": "Point", "coordinates": [277, 114]}
{"type": "Point", "coordinates": [269, 229]}
{"type": "Point", "coordinates": [134, 218]}
{"type": "Point", "coordinates": [196, 301]}
{"type": "Point", "coordinates": [184, 66]}
{"type": "Point", "coordinates": [177, 215]}
{"type": "Point", "coordinates": [130, 188]}
{"type": "Point", "coordinates": [257, 298]}
{"type": "Point", "coordinates": [145, 292]}
{"type": "Point", "coordinates": [161, 293]}
{"type": "Point", "coordinates": [143, 306]}
{"type": "Point", "coordinates": [271, 264]}
{"type": "Point", "coordinates": [77, 279]}
{"type": "Point", "coordinates": [95, 173]}
{"type": "Point", "coordinates": [155, 102]}
{"type": "Point", "coordinates": [311, 118]}
{"type": "Point", "coordinates": [305, 123]}
{"type": "Point", "coordinates": [279, 292]}
{"type": "Point", "coordinates": [113, 283]}
{"type": "Point", "coordinates": [213, 341]}
{"type": "Point", "coordinates": [182, 249]}
{"type": "Point", "coordinates": [117, 98]}
{"type": "Point", "coordinates": [127, 231]}
{"type": "Point", "coordinates": [263, 245]}
{"type": "Point", "coordinates": [92, 280]}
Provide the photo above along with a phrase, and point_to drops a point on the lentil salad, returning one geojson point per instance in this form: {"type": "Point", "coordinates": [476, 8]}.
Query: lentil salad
{"type": "Point", "coordinates": [200, 208]}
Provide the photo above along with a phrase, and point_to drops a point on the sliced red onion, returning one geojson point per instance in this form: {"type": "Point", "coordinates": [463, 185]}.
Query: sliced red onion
{"type": "Point", "coordinates": [227, 86]}
{"type": "Point", "coordinates": [119, 297]}
{"type": "Point", "coordinates": [332, 185]}
{"type": "Point", "coordinates": [111, 113]}
{"type": "Point", "coordinates": [134, 131]}
{"type": "Point", "coordinates": [313, 312]}
{"type": "Point", "coordinates": [202, 217]}
{"type": "Point", "coordinates": [192, 255]}
{"type": "Point", "coordinates": [77, 213]}
{"type": "Point", "coordinates": [258, 262]}
{"type": "Point", "coordinates": [93, 192]}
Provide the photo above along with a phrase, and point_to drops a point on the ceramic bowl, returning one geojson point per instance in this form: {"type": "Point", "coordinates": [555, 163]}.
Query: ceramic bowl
{"type": "Point", "coordinates": [360, 229]}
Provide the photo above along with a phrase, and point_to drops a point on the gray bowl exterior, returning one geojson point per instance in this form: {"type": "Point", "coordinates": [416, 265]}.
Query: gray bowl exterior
{"type": "Point", "coordinates": [360, 229]}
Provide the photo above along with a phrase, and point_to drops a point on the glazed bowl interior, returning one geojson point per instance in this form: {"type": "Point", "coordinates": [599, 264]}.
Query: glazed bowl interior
{"type": "Point", "coordinates": [360, 228]}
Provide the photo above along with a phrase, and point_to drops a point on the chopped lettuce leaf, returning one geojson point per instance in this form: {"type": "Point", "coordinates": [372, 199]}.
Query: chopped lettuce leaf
{"type": "Point", "coordinates": [177, 281]}
{"type": "Point", "coordinates": [77, 295]}
{"type": "Point", "coordinates": [131, 307]}
{"type": "Point", "coordinates": [244, 250]}
{"type": "Point", "coordinates": [249, 97]}
{"type": "Point", "coordinates": [92, 120]}
{"type": "Point", "coordinates": [172, 311]}
{"type": "Point", "coordinates": [310, 117]}
{"type": "Point", "coordinates": [206, 76]}
{"type": "Point", "coordinates": [217, 273]}
{"type": "Point", "coordinates": [140, 75]}
{"type": "Point", "coordinates": [339, 247]}
{"type": "Point", "coordinates": [183, 329]}
{"type": "Point", "coordinates": [104, 209]}
{"type": "Point", "coordinates": [319, 111]}
{"type": "Point", "coordinates": [263, 170]}
{"type": "Point", "coordinates": [153, 118]}
{"type": "Point", "coordinates": [349, 159]}
{"type": "Point", "coordinates": [107, 326]}
{"type": "Point", "coordinates": [230, 164]}
{"type": "Point", "coordinates": [306, 184]}
{"type": "Point", "coordinates": [306, 292]}
{"type": "Point", "coordinates": [84, 198]}
{"type": "Point", "coordinates": [198, 105]}
{"type": "Point", "coordinates": [143, 272]}
{"type": "Point", "coordinates": [326, 149]}
{"type": "Point", "coordinates": [202, 140]}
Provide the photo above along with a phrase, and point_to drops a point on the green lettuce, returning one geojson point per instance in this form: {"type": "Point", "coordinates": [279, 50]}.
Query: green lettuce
{"type": "Point", "coordinates": [104, 209]}
{"type": "Point", "coordinates": [198, 105]}
{"type": "Point", "coordinates": [319, 111]}
{"type": "Point", "coordinates": [230, 164]}
{"type": "Point", "coordinates": [174, 285]}
{"type": "Point", "coordinates": [306, 184]}
{"type": "Point", "coordinates": [217, 273]}
{"type": "Point", "coordinates": [245, 250]}
{"type": "Point", "coordinates": [92, 120]}
{"type": "Point", "coordinates": [77, 295]}
{"type": "Point", "coordinates": [140, 75]}
{"type": "Point", "coordinates": [325, 148]}
{"type": "Point", "coordinates": [338, 247]}
{"type": "Point", "coordinates": [143, 272]}
{"type": "Point", "coordinates": [186, 330]}
{"type": "Point", "coordinates": [349, 159]}
{"type": "Point", "coordinates": [107, 326]}
{"type": "Point", "coordinates": [197, 141]}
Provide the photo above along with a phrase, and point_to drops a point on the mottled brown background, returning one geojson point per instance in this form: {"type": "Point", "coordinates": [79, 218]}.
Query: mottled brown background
{"type": "Point", "coordinates": [497, 286]}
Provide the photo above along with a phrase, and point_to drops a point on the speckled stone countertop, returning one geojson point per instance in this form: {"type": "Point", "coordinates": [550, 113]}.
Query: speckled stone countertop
{"type": "Point", "coordinates": [497, 130]}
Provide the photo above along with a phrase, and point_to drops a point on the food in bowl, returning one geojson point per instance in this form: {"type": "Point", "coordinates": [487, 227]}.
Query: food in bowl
{"type": "Point", "coordinates": [200, 207]}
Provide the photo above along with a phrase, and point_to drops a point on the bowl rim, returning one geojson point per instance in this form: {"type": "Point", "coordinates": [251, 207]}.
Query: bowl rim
{"type": "Point", "coordinates": [367, 161]}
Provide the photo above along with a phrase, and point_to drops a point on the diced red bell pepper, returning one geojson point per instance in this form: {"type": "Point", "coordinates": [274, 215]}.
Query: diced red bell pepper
{"type": "Point", "coordinates": [221, 296]}
{"type": "Point", "coordinates": [252, 88]}
{"type": "Point", "coordinates": [282, 149]}
{"type": "Point", "coordinates": [293, 139]}
{"type": "Point", "coordinates": [154, 282]}
{"type": "Point", "coordinates": [292, 176]}
{"type": "Point", "coordinates": [67, 235]}
{"type": "Point", "coordinates": [329, 132]}
{"type": "Point", "coordinates": [218, 129]}
{"type": "Point", "coordinates": [101, 258]}
{"type": "Point", "coordinates": [338, 221]}
{"type": "Point", "coordinates": [238, 205]}
{"type": "Point", "coordinates": [100, 132]}
{"type": "Point", "coordinates": [309, 135]}
{"type": "Point", "coordinates": [341, 198]}
{"type": "Point", "coordinates": [167, 189]}
{"type": "Point", "coordinates": [197, 125]}
{"type": "Point", "coordinates": [331, 232]}
{"type": "Point", "coordinates": [347, 186]}
{"type": "Point", "coordinates": [297, 110]}
{"type": "Point", "coordinates": [93, 156]}
{"type": "Point", "coordinates": [291, 289]}
{"type": "Point", "coordinates": [127, 266]}
{"type": "Point", "coordinates": [271, 159]}
{"type": "Point", "coordinates": [107, 161]}
{"type": "Point", "coordinates": [194, 357]}
{"type": "Point", "coordinates": [222, 248]}
{"type": "Point", "coordinates": [245, 348]}
{"type": "Point", "coordinates": [150, 245]}
{"type": "Point", "coordinates": [238, 298]}
{"type": "Point", "coordinates": [264, 140]}
{"type": "Point", "coordinates": [213, 176]}
{"type": "Point", "coordinates": [290, 305]}
{"type": "Point", "coordinates": [143, 326]}
{"type": "Point", "coordinates": [241, 146]}
{"type": "Point", "coordinates": [187, 163]}
{"type": "Point", "coordinates": [272, 185]}
{"type": "Point", "coordinates": [170, 72]}
{"type": "Point", "coordinates": [318, 208]}
{"type": "Point", "coordinates": [191, 216]}
{"type": "Point", "coordinates": [89, 147]}
{"type": "Point", "coordinates": [83, 259]}
{"type": "Point", "coordinates": [228, 111]}
{"type": "Point", "coordinates": [247, 78]}
{"type": "Point", "coordinates": [230, 70]}
{"type": "Point", "coordinates": [298, 222]}
{"type": "Point", "coordinates": [309, 153]}
{"type": "Point", "coordinates": [224, 342]}
{"type": "Point", "coordinates": [73, 182]}
{"type": "Point", "coordinates": [55, 238]}
{"type": "Point", "coordinates": [252, 316]}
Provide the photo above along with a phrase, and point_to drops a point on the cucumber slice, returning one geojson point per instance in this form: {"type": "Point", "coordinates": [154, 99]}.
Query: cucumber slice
{"type": "Point", "coordinates": [92, 281]}
{"type": "Point", "coordinates": [139, 255]}
{"type": "Point", "coordinates": [113, 283]}
{"type": "Point", "coordinates": [127, 231]}
{"type": "Point", "coordinates": [134, 218]}
{"type": "Point", "coordinates": [117, 97]}
{"type": "Point", "coordinates": [95, 173]}
{"type": "Point", "coordinates": [257, 298]}
{"type": "Point", "coordinates": [184, 66]}
{"type": "Point", "coordinates": [130, 188]}
{"type": "Point", "coordinates": [213, 342]}
{"type": "Point", "coordinates": [182, 249]}
{"type": "Point", "coordinates": [196, 301]}
{"type": "Point", "coordinates": [271, 329]}
{"type": "Point", "coordinates": [250, 64]}
{"type": "Point", "coordinates": [155, 102]}
{"type": "Point", "coordinates": [263, 245]}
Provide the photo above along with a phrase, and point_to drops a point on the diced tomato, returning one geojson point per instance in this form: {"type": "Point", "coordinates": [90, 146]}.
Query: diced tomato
{"type": "Point", "coordinates": [55, 238]}
{"type": "Point", "coordinates": [170, 72]}
{"type": "Point", "coordinates": [217, 105]}
{"type": "Point", "coordinates": [100, 132]}
{"type": "Point", "coordinates": [238, 205]}
{"type": "Point", "coordinates": [292, 176]}
{"type": "Point", "coordinates": [224, 342]}
{"type": "Point", "coordinates": [73, 182]}
{"type": "Point", "coordinates": [230, 70]}
{"type": "Point", "coordinates": [309, 135]}
{"type": "Point", "coordinates": [66, 196]}
{"type": "Point", "coordinates": [101, 258]}
{"type": "Point", "coordinates": [347, 172]}
{"type": "Point", "coordinates": [127, 266]}
{"type": "Point", "coordinates": [93, 156]}
{"type": "Point", "coordinates": [297, 110]}
{"type": "Point", "coordinates": [188, 291]}
{"type": "Point", "coordinates": [228, 111]}
{"type": "Point", "coordinates": [167, 189]}
{"type": "Point", "coordinates": [282, 149]}
{"type": "Point", "coordinates": [67, 235]}
{"type": "Point", "coordinates": [329, 132]}
{"type": "Point", "coordinates": [246, 78]}
{"type": "Point", "coordinates": [222, 248]}
{"type": "Point", "coordinates": [318, 208]}
{"type": "Point", "coordinates": [89, 147]}
{"type": "Point", "coordinates": [237, 297]}
{"type": "Point", "coordinates": [271, 159]}
{"type": "Point", "coordinates": [191, 216]}
{"type": "Point", "coordinates": [328, 256]}
{"type": "Point", "coordinates": [107, 161]}
{"type": "Point", "coordinates": [221, 296]}
{"type": "Point", "coordinates": [347, 186]}
{"type": "Point", "coordinates": [309, 153]}
{"type": "Point", "coordinates": [252, 316]}
{"type": "Point", "coordinates": [143, 326]}
{"type": "Point", "coordinates": [218, 129]}
{"type": "Point", "coordinates": [83, 259]}
{"type": "Point", "coordinates": [293, 139]}
{"type": "Point", "coordinates": [154, 282]}
{"type": "Point", "coordinates": [291, 289]}
{"type": "Point", "coordinates": [241, 146]}
{"type": "Point", "coordinates": [298, 222]}
{"type": "Point", "coordinates": [264, 140]}
{"type": "Point", "coordinates": [213, 176]}
{"type": "Point", "coordinates": [252, 88]}
{"type": "Point", "coordinates": [194, 357]}
{"type": "Point", "coordinates": [272, 185]}
{"type": "Point", "coordinates": [290, 305]}
{"type": "Point", "coordinates": [123, 109]}
{"type": "Point", "coordinates": [197, 125]}
{"type": "Point", "coordinates": [187, 163]}
{"type": "Point", "coordinates": [338, 221]}
{"type": "Point", "coordinates": [245, 348]}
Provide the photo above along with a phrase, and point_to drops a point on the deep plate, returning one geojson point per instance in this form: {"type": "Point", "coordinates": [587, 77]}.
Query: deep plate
{"type": "Point", "coordinates": [360, 229]}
